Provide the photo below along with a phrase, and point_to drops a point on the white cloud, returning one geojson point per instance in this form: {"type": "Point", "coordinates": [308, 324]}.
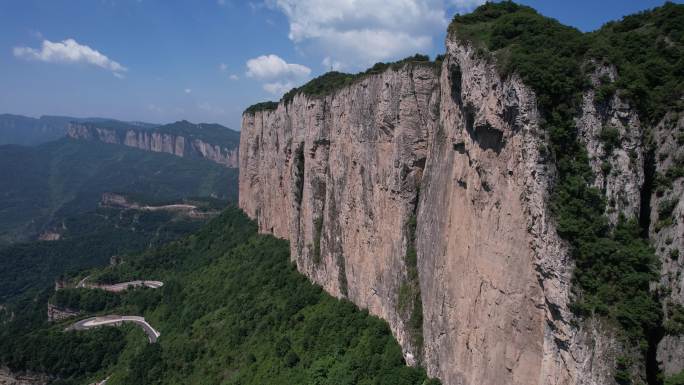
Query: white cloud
{"type": "Point", "coordinates": [221, 2]}
{"type": "Point", "coordinates": [234, 77]}
{"type": "Point", "coordinates": [277, 75]}
{"type": "Point", "coordinates": [69, 51]}
{"type": "Point", "coordinates": [364, 32]}
{"type": "Point", "coordinates": [272, 67]}
{"type": "Point", "coordinates": [187, 90]}
{"type": "Point", "coordinates": [223, 67]}
{"type": "Point", "coordinates": [278, 88]}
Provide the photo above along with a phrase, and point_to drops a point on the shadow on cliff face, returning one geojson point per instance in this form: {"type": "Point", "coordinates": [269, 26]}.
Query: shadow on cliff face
{"type": "Point", "coordinates": [486, 136]}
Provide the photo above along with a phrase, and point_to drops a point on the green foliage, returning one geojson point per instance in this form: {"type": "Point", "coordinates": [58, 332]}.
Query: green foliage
{"type": "Point", "coordinates": [622, 376]}
{"type": "Point", "coordinates": [318, 233]}
{"type": "Point", "coordinates": [89, 240]}
{"type": "Point", "coordinates": [50, 350]}
{"type": "Point", "coordinates": [263, 106]}
{"type": "Point", "coordinates": [604, 92]}
{"type": "Point", "coordinates": [409, 302]}
{"type": "Point", "coordinates": [674, 254]}
{"type": "Point", "coordinates": [88, 300]}
{"type": "Point", "coordinates": [674, 324]}
{"type": "Point", "coordinates": [677, 379]}
{"type": "Point", "coordinates": [646, 48]}
{"type": "Point", "coordinates": [610, 136]}
{"type": "Point", "coordinates": [234, 310]}
{"type": "Point", "coordinates": [666, 207]}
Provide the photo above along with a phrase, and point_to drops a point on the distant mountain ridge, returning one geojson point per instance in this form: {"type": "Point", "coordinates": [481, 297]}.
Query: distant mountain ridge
{"type": "Point", "coordinates": [24, 130]}
{"type": "Point", "coordinates": [213, 142]}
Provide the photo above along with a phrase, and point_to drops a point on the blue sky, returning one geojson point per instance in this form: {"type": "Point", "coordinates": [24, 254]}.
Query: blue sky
{"type": "Point", "coordinates": [207, 60]}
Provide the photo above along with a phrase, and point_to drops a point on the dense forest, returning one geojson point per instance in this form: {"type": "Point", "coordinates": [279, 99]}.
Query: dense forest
{"type": "Point", "coordinates": [233, 310]}
{"type": "Point", "coordinates": [89, 240]}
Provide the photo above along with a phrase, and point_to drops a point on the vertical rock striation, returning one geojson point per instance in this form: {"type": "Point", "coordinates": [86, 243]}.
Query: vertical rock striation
{"type": "Point", "coordinates": [338, 176]}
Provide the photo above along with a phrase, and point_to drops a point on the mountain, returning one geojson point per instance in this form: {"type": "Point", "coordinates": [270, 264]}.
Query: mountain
{"type": "Point", "coordinates": [46, 183]}
{"type": "Point", "coordinates": [23, 130]}
{"type": "Point", "coordinates": [213, 142]}
{"type": "Point", "coordinates": [513, 209]}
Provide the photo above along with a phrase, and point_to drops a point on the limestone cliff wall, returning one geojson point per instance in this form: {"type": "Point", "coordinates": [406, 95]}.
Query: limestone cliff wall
{"type": "Point", "coordinates": [149, 140]}
{"type": "Point", "coordinates": [454, 153]}
{"type": "Point", "coordinates": [338, 176]}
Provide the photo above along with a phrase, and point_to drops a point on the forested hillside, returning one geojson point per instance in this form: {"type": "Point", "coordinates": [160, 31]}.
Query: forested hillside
{"type": "Point", "coordinates": [90, 239]}
{"type": "Point", "coordinates": [233, 310]}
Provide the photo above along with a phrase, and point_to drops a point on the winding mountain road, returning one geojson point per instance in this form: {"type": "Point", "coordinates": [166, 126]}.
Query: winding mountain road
{"type": "Point", "coordinates": [116, 320]}
{"type": "Point", "coordinates": [119, 287]}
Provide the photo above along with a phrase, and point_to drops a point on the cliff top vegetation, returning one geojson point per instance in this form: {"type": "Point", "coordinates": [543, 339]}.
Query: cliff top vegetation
{"type": "Point", "coordinates": [334, 80]}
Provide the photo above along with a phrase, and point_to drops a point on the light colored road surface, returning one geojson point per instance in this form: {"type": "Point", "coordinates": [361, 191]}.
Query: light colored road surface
{"type": "Point", "coordinates": [116, 320]}
{"type": "Point", "coordinates": [118, 287]}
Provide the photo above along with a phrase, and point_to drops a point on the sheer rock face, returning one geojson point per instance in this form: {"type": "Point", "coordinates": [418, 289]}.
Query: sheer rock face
{"type": "Point", "coordinates": [617, 161]}
{"type": "Point", "coordinates": [148, 140]}
{"type": "Point", "coordinates": [667, 231]}
{"type": "Point", "coordinates": [495, 277]}
{"type": "Point", "coordinates": [340, 176]}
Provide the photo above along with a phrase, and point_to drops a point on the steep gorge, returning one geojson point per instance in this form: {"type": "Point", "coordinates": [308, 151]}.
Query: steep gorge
{"type": "Point", "coordinates": [450, 162]}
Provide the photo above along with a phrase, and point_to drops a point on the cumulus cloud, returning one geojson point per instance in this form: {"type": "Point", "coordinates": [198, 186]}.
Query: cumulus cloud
{"type": "Point", "coordinates": [223, 67]}
{"type": "Point", "coordinates": [272, 67]}
{"type": "Point", "coordinates": [367, 31]}
{"type": "Point", "coordinates": [278, 75]}
{"type": "Point", "coordinates": [69, 51]}
{"type": "Point", "coordinates": [187, 90]}
{"type": "Point", "coordinates": [233, 77]}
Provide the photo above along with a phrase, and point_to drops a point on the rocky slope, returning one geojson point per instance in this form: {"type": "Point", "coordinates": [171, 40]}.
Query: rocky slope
{"type": "Point", "coordinates": [182, 139]}
{"type": "Point", "coordinates": [422, 194]}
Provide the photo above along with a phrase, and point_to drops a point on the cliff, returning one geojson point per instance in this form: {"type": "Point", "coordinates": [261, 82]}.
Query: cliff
{"type": "Point", "coordinates": [425, 193]}
{"type": "Point", "coordinates": [184, 139]}
{"type": "Point", "coordinates": [340, 175]}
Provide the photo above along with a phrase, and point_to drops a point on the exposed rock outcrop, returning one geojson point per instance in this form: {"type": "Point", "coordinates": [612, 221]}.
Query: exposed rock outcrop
{"type": "Point", "coordinates": [612, 133]}
{"type": "Point", "coordinates": [159, 140]}
{"type": "Point", "coordinates": [56, 313]}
